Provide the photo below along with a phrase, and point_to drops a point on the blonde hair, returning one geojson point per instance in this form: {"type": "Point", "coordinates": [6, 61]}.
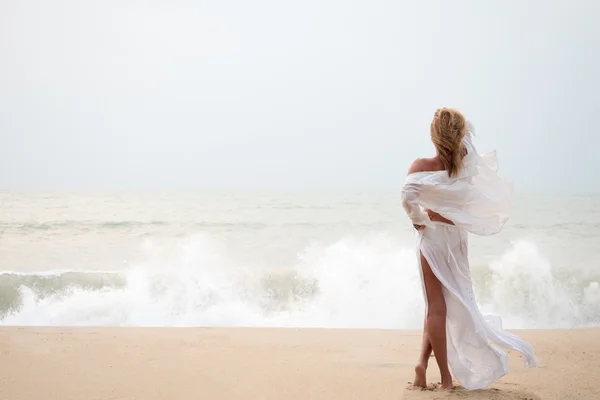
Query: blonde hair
{"type": "Point", "coordinates": [448, 129]}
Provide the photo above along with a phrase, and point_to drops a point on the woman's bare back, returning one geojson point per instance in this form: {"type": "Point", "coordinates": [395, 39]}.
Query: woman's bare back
{"type": "Point", "coordinates": [426, 165]}
{"type": "Point", "coordinates": [431, 164]}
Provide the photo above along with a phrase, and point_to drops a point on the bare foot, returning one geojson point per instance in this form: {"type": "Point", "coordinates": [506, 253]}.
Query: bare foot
{"type": "Point", "coordinates": [447, 382]}
{"type": "Point", "coordinates": [421, 375]}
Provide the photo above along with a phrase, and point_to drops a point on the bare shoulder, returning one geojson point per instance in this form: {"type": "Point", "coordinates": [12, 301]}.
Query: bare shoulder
{"type": "Point", "coordinates": [423, 165]}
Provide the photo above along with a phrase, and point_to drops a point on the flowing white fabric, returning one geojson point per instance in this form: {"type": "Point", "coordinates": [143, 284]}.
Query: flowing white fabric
{"type": "Point", "coordinates": [478, 201]}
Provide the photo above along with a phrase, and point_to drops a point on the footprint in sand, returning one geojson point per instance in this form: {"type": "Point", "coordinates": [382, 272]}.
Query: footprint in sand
{"type": "Point", "coordinates": [435, 392]}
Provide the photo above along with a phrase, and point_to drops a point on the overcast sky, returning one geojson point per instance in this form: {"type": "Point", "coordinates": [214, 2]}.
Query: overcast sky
{"type": "Point", "coordinates": [282, 94]}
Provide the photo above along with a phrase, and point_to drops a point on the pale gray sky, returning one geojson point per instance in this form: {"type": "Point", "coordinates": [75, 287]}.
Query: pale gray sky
{"type": "Point", "coordinates": [280, 94]}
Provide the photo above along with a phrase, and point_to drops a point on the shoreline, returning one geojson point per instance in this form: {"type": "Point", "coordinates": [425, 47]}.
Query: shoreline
{"type": "Point", "coordinates": [269, 363]}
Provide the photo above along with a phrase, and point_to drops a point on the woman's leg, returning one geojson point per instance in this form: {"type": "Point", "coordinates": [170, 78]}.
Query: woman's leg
{"type": "Point", "coordinates": [436, 321]}
{"type": "Point", "coordinates": [421, 368]}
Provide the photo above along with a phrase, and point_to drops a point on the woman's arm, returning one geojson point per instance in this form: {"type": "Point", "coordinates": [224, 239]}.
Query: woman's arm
{"type": "Point", "coordinates": [437, 217]}
{"type": "Point", "coordinates": [410, 199]}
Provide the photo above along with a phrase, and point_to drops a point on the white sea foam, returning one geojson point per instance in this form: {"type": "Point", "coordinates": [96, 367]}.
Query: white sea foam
{"type": "Point", "coordinates": [369, 283]}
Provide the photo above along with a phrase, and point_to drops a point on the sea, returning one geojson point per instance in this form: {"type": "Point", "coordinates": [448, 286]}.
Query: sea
{"type": "Point", "coordinates": [322, 258]}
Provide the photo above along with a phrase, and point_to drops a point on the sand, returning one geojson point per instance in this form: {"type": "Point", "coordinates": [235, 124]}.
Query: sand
{"type": "Point", "coordinates": [241, 363]}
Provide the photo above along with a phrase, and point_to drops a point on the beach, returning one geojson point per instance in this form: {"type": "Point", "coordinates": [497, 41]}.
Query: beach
{"type": "Point", "coordinates": [268, 363]}
{"type": "Point", "coordinates": [226, 200]}
{"type": "Point", "coordinates": [201, 295]}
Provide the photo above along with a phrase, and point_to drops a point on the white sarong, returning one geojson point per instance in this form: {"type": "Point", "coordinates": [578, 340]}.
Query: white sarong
{"type": "Point", "coordinates": [477, 201]}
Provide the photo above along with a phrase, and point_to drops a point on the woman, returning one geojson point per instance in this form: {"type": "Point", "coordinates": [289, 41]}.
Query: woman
{"type": "Point", "coordinates": [447, 196]}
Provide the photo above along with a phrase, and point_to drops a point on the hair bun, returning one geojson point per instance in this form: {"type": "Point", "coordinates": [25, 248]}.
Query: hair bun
{"type": "Point", "coordinates": [445, 117]}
